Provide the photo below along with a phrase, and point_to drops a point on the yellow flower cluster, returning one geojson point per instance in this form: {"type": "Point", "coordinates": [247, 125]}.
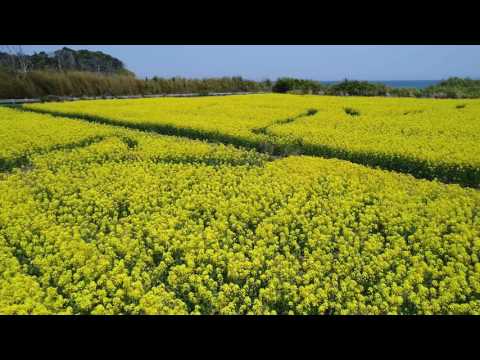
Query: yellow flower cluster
{"type": "Point", "coordinates": [426, 138]}
{"type": "Point", "coordinates": [433, 139]}
{"type": "Point", "coordinates": [228, 119]}
{"type": "Point", "coordinates": [144, 224]}
{"type": "Point", "coordinates": [24, 134]}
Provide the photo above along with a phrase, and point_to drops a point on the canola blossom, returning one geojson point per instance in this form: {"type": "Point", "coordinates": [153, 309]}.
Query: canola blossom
{"type": "Point", "coordinates": [24, 134]}
{"type": "Point", "coordinates": [430, 139]}
{"type": "Point", "coordinates": [229, 119]}
{"type": "Point", "coordinates": [136, 223]}
{"type": "Point", "coordinates": [427, 138]}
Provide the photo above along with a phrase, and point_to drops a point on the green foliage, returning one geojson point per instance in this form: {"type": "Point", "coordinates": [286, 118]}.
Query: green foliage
{"type": "Point", "coordinates": [67, 60]}
{"type": "Point", "coordinates": [300, 86]}
{"type": "Point", "coordinates": [452, 88]}
{"type": "Point", "coordinates": [352, 112]}
{"type": "Point", "coordinates": [180, 85]}
{"type": "Point", "coordinates": [357, 88]}
{"type": "Point", "coordinates": [404, 92]}
{"type": "Point", "coordinates": [455, 88]}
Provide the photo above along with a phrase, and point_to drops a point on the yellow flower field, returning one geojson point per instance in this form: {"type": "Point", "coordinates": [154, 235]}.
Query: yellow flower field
{"type": "Point", "coordinates": [432, 139]}
{"type": "Point", "coordinates": [102, 219]}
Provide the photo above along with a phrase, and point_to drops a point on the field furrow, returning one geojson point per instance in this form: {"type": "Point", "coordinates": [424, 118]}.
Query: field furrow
{"type": "Point", "coordinates": [431, 139]}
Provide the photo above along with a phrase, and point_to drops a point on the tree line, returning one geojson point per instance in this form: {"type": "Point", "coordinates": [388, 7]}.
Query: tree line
{"type": "Point", "coordinates": [456, 88]}
{"type": "Point", "coordinates": [84, 73]}
{"type": "Point", "coordinates": [14, 59]}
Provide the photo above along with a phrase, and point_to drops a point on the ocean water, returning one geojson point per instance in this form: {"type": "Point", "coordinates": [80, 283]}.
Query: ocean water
{"type": "Point", "coordinates": [418, 84]}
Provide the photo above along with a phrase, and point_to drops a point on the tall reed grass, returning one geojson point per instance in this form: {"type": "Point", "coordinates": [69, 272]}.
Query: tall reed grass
{"type": "Point", "coordinates": [40, 84]}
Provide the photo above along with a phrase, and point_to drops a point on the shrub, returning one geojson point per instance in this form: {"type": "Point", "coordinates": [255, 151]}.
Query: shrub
{"type": "Point", "coordinates": [357, 88]}
{"type": "Point", "coordinates": [455, 88]}
{"type": "Point", "coordinates": [352, 111]}
{"type": "Point", "coordinates": [297, 86]}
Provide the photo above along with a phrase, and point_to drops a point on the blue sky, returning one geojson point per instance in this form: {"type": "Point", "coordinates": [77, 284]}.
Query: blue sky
{"type": "Point", "coordinates": [320, 62]}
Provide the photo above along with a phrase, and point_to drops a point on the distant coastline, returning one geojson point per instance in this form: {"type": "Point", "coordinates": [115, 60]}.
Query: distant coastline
{"type": "Point", "coordinates": [416, 84]}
